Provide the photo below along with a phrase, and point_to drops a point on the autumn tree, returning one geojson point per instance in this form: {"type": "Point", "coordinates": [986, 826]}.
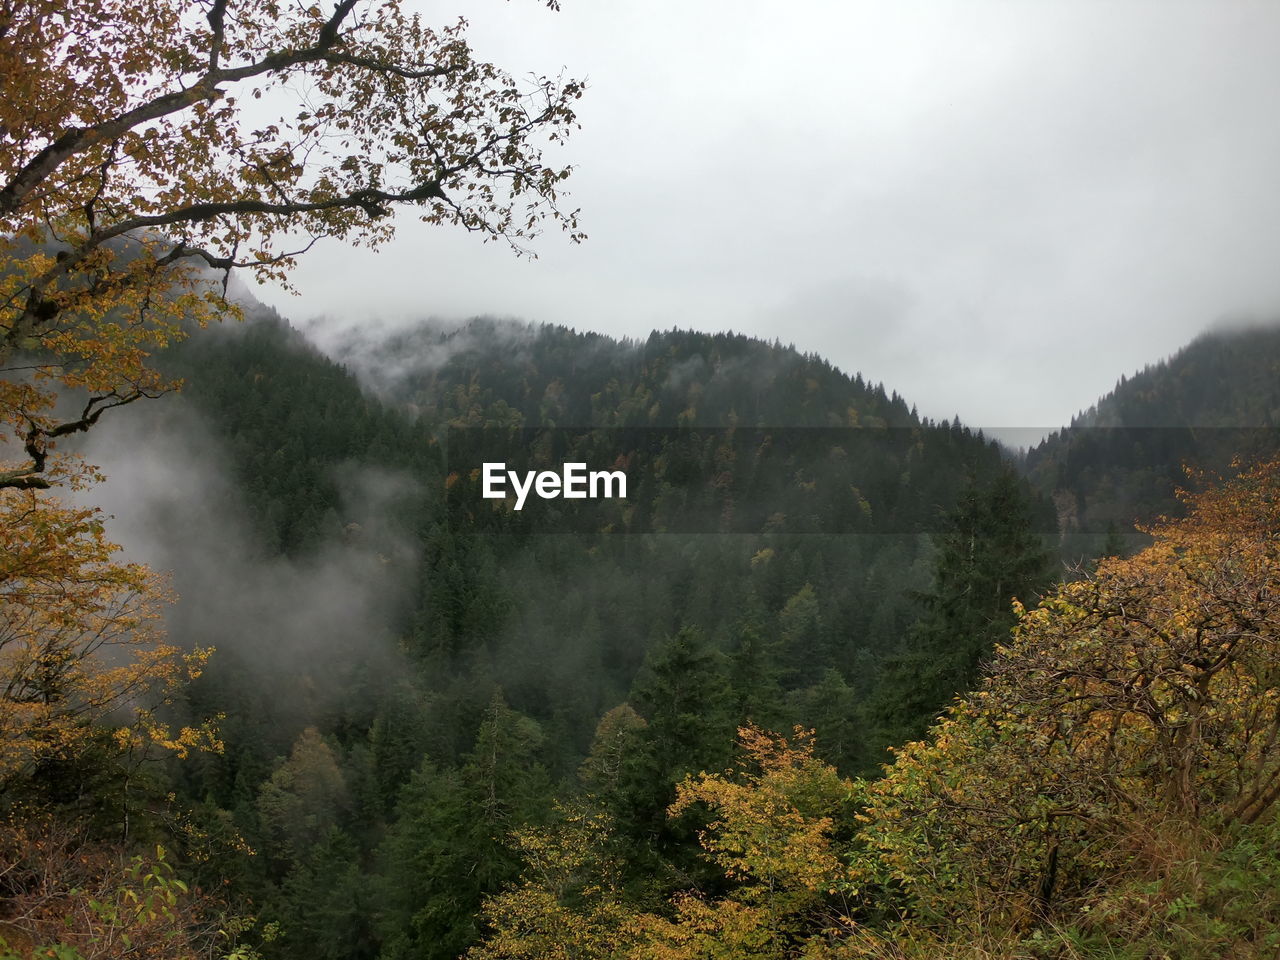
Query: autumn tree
{"type": "Point", "coordinates": [774, 833]}
{"type": "Point", "coordinates": [80, 642]}
{"type": "Point", "coordinates": [1133, 717]}
{"type": "Point", "coordinates": [146, 153]}
{"type": "Point", "coordinates": [143, 148]}
{"type": "Point", "coordinates": [611, 764]}
{"type": "Point", "coordinates": [569, 900]}
{"type": "Point", "coordinates": [304, 798]}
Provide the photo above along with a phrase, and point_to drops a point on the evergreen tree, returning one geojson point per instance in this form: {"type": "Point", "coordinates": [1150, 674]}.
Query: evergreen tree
{"type": "Point", "coordinates": [989, 556]}
{"type": "Point", "coordinates": [326, 913]}
{"type": "Point", "coordinates": [683, 694]}
{"type": "Point", "coordinates": [452, 842]}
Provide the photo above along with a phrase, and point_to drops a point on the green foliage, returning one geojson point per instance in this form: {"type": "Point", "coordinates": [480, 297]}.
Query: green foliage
{"type": "Point", "coordinates": [683, 694]}
{"type": "Point", "coordinates": [988, 558]}
{"type": "Point", "coordinates": [1216, 898]}
{"type": "Point", "coordinates": [326, 910]}
{"type": "Point", "coordinates": [452, 841]}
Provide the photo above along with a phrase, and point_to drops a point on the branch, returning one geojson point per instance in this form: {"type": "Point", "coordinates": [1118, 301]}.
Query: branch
{"type": "Point", "coordinates": [39, 310]}
{"type": "Point", "coordinates": [329, 32]}
{"type": "Point", "coordinates": [184, 250]}
{"type": "Point", "coordinates": [215, 17]}
{"type": "Point", "coordinates": [368, 199]}
{"type": "Point", "coordinates": [28, 478]}
{"type": "Point", "coordinates": [369, 63]}
{"type": "Point", "coordinates": [79, 139]}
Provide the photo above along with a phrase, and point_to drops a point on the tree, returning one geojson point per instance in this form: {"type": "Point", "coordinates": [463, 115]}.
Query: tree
{"type": "Point", "coordinates": [141, 149]}
{"type": "Point", "coordinates": [452, 843]}
{"type": "Point", "coordinates": [989, 556]}
{"type": "Point", "coordinates": [830, 707]}
{"type": "Point", "coordinates": [774, 835]}
{"type": "Point", "coordinates": [612, 760]}
{"type": "Point", "coordinates": [146, 153]}
{"type": "Point", "coordinates": [80, 642]}
{"type": "Point", "coordinates": [800, 624]}
{"type": "Point", "coordinates": [683, 695]}
{"type": "Point", "coordinates": [1110, 789]}
{"type": "Point", "coordinates": [568, 903]}
{"type": "Point", "coordinates": [324, 914]}
{"type": "Point", "coordinates": [303, 799]}
{"type": "Point", "coordinates": [1131, 717]}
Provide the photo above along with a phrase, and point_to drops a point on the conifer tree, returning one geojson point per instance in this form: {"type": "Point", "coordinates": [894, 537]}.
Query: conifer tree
{"type": "Point", "coordinates": [989, 556]}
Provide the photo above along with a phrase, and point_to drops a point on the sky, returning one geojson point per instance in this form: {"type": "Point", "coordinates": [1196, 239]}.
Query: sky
{"type": "Point", "coordinates": [995, 208]}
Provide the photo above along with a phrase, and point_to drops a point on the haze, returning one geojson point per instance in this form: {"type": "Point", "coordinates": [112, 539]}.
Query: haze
{"type": "Point", "coordinates": [996, 208]}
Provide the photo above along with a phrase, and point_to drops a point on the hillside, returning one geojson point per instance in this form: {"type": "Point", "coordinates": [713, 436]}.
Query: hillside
{"type": "Point", "coordinates": [786, 526]}
{"type": "Point", "coordinates": [1121, 461]}
{"type": "Point", "coordinates": [506, 371]}
{"type": "Point", "coordinates": [414, 672]}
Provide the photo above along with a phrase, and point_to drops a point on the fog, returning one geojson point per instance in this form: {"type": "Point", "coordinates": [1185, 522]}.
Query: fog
{"type": "Point", "coordinates": [995, 208]}
{"type": "Point", "coordinates": [173, 506]}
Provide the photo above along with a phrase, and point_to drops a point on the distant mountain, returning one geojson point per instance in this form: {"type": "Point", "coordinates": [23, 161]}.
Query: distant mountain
{"type": "Point", "coordinates": [721, 432]}
{"type": "Point", "coordinates": [506, 372]}
{"type": "Point", "coordinates": [765, 484]}
{"type": "Point", "coordinates": [1122, 460]}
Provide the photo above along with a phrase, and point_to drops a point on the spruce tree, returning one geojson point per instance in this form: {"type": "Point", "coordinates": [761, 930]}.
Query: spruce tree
{"type": "Point", "coordinates": [989, 556]}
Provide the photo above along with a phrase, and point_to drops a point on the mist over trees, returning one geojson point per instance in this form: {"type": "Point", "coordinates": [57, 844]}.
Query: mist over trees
{"type": "Point", "coordinates": [475, 696]}
{"type": "Point", "coordinates": [833, 680]}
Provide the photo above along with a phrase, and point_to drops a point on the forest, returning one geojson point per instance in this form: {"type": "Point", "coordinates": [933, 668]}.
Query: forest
{"type": "Point", "coordinates": [924, 727]}
{"type": "Point", "coordinates": [833, 679]}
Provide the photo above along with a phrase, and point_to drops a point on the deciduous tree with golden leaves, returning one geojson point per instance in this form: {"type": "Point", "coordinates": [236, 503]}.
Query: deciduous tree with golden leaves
{"type": "Point", "coordinates": [1133, 714]}
{"type": "Point", "coordinates": [80, 640]}
{"type": "Point", "coordinates": [773, 831]}
{"type": "Point", "coordinates": [143, 146]}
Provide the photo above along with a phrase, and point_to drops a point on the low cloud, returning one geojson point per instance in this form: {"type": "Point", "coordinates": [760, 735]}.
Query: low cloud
{"type": "Point", "coordinates": [174, 505]}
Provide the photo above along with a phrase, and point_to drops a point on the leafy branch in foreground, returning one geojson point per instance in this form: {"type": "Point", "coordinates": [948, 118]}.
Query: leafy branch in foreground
{"type": "Point", "coordinates": [143, 147]}
{"type": "Point", "coordinates": [80, 641]}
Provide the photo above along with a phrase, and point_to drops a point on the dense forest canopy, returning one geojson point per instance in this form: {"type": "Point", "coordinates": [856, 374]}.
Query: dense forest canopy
{"type": "Point", "coordinates": [406, 714]}
{"type": "Point", "coordinates": [832, 680]}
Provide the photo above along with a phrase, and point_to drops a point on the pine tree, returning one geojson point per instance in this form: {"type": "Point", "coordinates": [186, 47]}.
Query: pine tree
{"type": "Point", "coordinates": [989, 556]}
{"type": "Point", "coordinates": [452, 842]}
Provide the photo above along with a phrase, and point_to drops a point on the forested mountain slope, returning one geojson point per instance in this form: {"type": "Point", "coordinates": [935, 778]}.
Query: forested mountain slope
{"type": "Point", "coordinates": [391, 663]}
{"type": "Point", "coordinates": [413, 684]}
{"type": "Point", "coordinates": [1121, 460]}
{"type": "Point", "coordinates": [496, 370]}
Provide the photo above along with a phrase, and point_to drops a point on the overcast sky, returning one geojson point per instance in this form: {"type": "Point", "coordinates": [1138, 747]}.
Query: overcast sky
{"type": "Point", "coordinates": [996, 208]}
